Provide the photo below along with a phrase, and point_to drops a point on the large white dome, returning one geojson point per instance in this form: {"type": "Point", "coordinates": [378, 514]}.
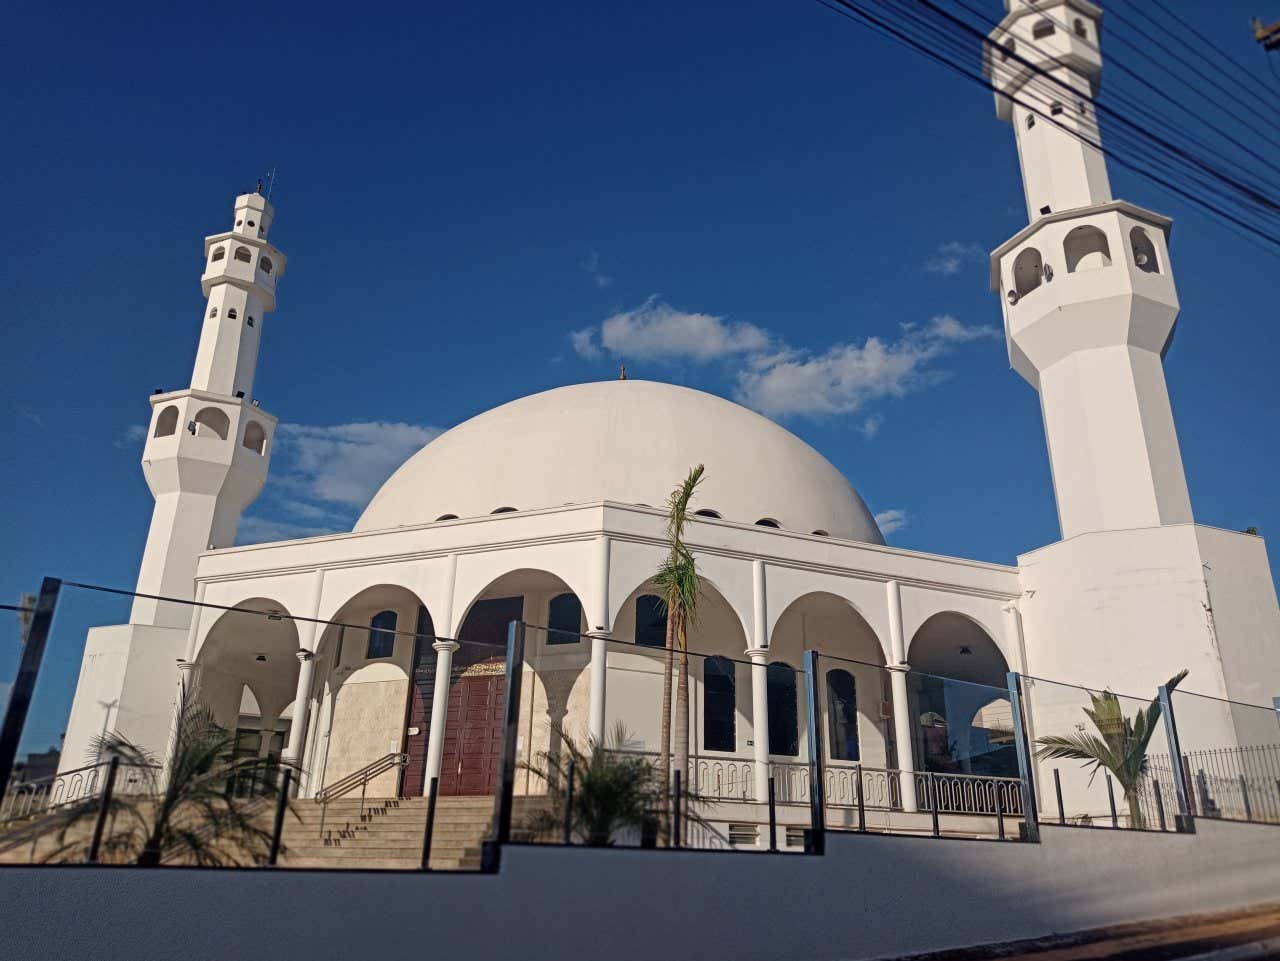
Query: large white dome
{"type": "Point", "coordinates": [630, 441]}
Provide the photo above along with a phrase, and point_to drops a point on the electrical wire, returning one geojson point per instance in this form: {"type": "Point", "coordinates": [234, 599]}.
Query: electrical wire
{"type": "Point", "coordinates": [1201, 184]}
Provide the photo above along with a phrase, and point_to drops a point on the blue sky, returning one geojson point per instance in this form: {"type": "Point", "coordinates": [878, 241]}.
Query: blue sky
{"type": "Point", "coordinates": [483, 201]}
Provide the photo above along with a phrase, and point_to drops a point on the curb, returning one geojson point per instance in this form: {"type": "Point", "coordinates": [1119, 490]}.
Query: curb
{"type": "Point", "coordinates": [1239, 952]}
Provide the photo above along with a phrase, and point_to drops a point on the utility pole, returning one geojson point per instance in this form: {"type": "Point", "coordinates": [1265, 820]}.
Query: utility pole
{"type": "Point", "coordinates": [1269, 37]}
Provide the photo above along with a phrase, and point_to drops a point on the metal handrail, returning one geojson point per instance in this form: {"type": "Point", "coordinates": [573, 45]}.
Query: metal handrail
{"type": "Point", "coordinates": [361, 777]}
{"type": "Point", "coordinates": [26, 799]}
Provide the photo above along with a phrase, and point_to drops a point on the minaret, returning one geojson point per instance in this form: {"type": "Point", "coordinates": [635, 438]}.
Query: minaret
{"type": "Point", "coordinates": [1087, 288]}
{"type": "Point", "coordinates": [208, 446]}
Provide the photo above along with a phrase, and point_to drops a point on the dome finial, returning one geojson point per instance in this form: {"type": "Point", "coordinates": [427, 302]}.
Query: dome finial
{"type": "Point", "coordinates": [622, 372]}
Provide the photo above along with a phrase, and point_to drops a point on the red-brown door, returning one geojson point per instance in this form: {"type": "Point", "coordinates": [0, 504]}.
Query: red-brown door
{"type": "Point", "coordinates": [473, 731]}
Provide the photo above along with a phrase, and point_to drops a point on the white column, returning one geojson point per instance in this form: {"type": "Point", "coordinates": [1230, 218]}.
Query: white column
{"type": "Point", "coordinates": [186, 684]}
{"type": "Point", "coordinates": [193, 631]}
{"type": "Point", "coordinates": [301, 702]}
{"type": "Point", "coordinates": [439, 710]}
{"type": "Point", "coordinates": [901, 701]}
{"type": "Point", "coordinates": [599, 674]}
{"type": "Point", "coordinates": [599, 647]}
{"type": "Point", "coordinates": [758, 652]}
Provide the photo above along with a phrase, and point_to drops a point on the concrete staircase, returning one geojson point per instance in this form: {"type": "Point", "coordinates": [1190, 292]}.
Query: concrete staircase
{"type": "Point", "coordinates": [387, 834]}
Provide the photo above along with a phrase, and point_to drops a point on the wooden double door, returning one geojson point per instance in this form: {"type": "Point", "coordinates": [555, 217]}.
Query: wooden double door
{"type": "Point", "coordinates": [477, 697]}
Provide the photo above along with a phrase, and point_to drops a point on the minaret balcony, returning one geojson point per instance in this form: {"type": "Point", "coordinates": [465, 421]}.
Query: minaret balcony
{"type": "Point", "coordinates": [1082, 279]}
{"type": "Point", "coordinates": [1050, 36]}
{"type": "Point", "coordinates": [207, 443]}
{"type": "Point", "coordinates": [246, 262]}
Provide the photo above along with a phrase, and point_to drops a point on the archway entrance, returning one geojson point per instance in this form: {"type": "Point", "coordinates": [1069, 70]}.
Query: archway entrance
{"type": "Point", "coordinates": [477, 694]}
{"type": "Point", "coordinates": [963, 722]}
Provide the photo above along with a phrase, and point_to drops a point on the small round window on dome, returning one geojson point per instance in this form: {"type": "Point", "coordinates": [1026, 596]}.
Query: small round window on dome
{"type": "Point", "coordinates": [707, 512]}
{"type": "Point", "coordinates": [504, 510]}
{"type": "Point", "coordinates": [768, 522]}
{"type": "Point", "coordinates": [446, 517]}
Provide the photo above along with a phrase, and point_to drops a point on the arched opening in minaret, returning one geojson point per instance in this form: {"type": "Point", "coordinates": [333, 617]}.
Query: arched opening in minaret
{"type": "Point", "coordinates": [243, 255]}
{"type": "Point", "coordinates": [255, 437]}
{"type": "Point", "coordinates": [266, 265]}
{"type": "Point", "coordinates": [218, 254]}
{"type": "Point", "coordinates": [1144, 251]}
{"type": "Point", "coordinates": [1028, 271]}
{"type": "Point", "coordinates": [1086, 248]}
{"type": "Point", "coordinates": [212, 422]}
{"type": "Point", "coordinates": [1081, 29]}
{"type": "Point", "coordinates": [1042, 29]}
{"type": "Point", "coordinates": [167, 422]}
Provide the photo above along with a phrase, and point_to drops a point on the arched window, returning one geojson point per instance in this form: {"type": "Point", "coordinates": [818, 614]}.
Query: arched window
{"type": "Point", "coordinates": [218, 254]}
{"type": "Point", "coordinates": [1081, 30]}
{"type": "Point", "coordinates": [1028, 271]}
{"type": "Point", "coordinates": [446, 517]}
{"type": "Point", "coordinates": [651, 621]}
{"type": "Point", "coordinates": [382, 637]}
{"type": "Point", "coordinates": [842, 715]}
{"type": "Point", "coordinates": [211, 421]}
{"type": "Point", "coordinates": [1031, 120]}
{"type": "Point", "coordinates": [255, 438]}
{"type": "Point", "coordinates": [707, 512]}
{"type": "Point", "coordinates": [231, 314]}
{"type": "Point", "coordinates": [1086, 248]}
{"type": "Point", "coordinates": [504, 510]}
{"type": "Point", "coordinates": [1056, 108]}
{"type": "Point", "coordinates": [243, 255]}
{"type": "Point", "coordinates": [167, 422]}
{"type": "Point", "coordinates": [1144, 251]}
{"type": "Point", "coordinates": [768, 522]}
{"type": "Point", "coordinates": [719, 705]}
{"type": "Point", "coordinates": [266, 265]}
{"type": "Point", "coordinates": [564, 619]}
{"type": "Point", "coordinates": [213, 311]}
{"type": "Point", "coordinates": [1042, 29]}
{"type": "Point", "coordinates": [784, 717]}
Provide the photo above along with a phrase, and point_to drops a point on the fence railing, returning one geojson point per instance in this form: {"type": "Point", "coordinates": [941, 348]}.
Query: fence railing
{"type": "Point", "coordinates": [27, 799]}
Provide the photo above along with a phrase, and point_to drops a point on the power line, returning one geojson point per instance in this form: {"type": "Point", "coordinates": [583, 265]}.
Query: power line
{"type": "Point", "coordinates": [1191, 183]}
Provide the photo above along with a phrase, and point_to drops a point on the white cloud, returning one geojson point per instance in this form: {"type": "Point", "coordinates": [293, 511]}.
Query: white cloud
{"type": "Point", "coordinates": [657, 331]}
{"type": "Point", "coordinates": [950, 257]}
{"type": "Point", "coordinates": [132, 436]}
{"type": "Point", "coordinates": [322, 477]}
{"type": "Point", "coordinates": [260, 530]}
{"type": "Point", "coordinates": [891, 520]}
{"type": "Point", "coordinates": [592, 266]}
{"type": "Point", "coordinates": [871, 426]}
{"type": "Point", "coordinates": [846, 377]}
{"type": "Point", "coordinates": [346, 463]}
{"type": "Point", "coordinates": [28, 414]}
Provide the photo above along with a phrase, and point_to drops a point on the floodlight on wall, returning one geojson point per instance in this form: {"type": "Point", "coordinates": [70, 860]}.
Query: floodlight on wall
{"type": "Point", "coordinates": [1140, 258]}
{"type": "Point", "coordinates": [261, 657]}
{"type": "Point", "coordinates": [191, 426]}
{"type": "Point", "coordinates": [1048, 273]}
{"type": "Point", "coordinates": [240, 395]}
{"type": "Point", "coordinates": [1012, 297]}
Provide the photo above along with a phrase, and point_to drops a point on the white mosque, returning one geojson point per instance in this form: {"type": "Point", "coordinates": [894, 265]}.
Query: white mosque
{"type": "Point", "coordinates": [549, 509]}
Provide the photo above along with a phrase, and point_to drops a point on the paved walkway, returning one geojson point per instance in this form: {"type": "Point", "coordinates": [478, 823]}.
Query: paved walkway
{"type": "Point", "coordinates": [1224, 936]}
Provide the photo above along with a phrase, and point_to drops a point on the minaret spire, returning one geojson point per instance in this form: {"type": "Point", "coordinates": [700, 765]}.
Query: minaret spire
{"type": "Point", "coordinates": [1087, 288]}
{"type": "Point", "coordinates": [208, 447]}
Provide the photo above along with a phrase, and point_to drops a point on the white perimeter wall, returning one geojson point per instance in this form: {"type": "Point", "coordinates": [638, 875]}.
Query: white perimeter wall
{"type": "Point", "coordinates": [871, 896]}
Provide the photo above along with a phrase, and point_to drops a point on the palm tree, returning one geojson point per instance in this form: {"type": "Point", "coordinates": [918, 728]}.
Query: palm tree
{"type": "Point", "coordinates": [1120, 746]}
{"type": "Point", "coordinates": [613, 790]}
{"type": "Point", "coordinates": [677, 584]}
{"type": "Point", "coordinates": [194, 813]}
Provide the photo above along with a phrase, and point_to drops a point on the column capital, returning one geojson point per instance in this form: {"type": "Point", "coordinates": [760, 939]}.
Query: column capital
{"type": "Point", "coordinates": [443, 645]}
{"type": "Point", "coordinates": [185, 666]}
{"type": "Point", "coordinates": [757, 654]}
{"type": "Point", "coordinates": [303, 655]}
{"type": "Point", "coordinates": [903, 667]}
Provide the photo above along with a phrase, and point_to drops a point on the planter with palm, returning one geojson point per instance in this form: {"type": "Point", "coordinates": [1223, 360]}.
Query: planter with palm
{"type": "Point", "coordinates": [677, 585]}
{"type": "Point", "coordinates": [195, 815]}
{"type": "Point", "coordinates": [615, 793]}
{"type": "Point", "coordinates": [1119, 746]}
